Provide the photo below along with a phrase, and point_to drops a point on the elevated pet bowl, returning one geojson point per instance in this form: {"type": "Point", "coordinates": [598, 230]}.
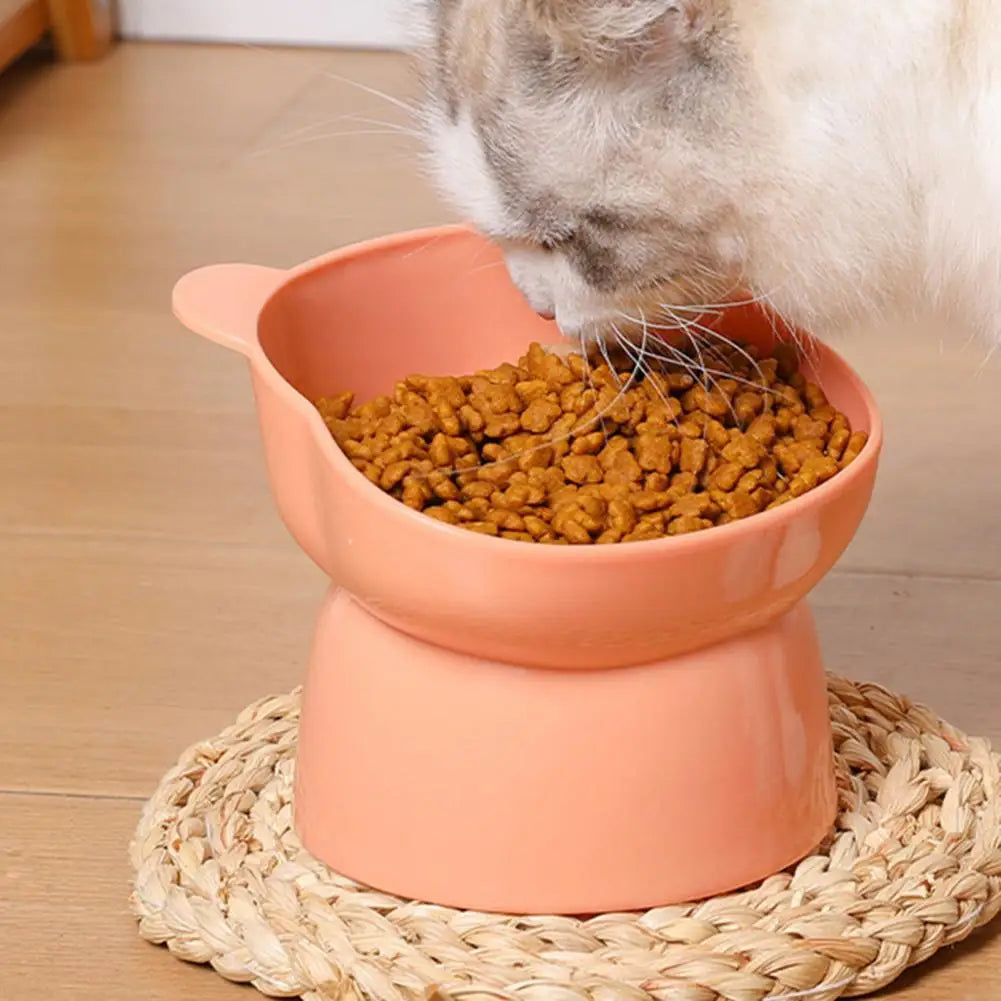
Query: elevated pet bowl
{"type": "Point", "coordinates": [515, 727]}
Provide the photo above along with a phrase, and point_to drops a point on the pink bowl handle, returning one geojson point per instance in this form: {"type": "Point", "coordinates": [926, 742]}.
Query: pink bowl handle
{"type": "Point", "coordinates": [222, 302]}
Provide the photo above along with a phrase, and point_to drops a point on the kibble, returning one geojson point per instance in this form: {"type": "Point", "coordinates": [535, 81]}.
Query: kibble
{"type": "Point", "coordinates": [569, 450]}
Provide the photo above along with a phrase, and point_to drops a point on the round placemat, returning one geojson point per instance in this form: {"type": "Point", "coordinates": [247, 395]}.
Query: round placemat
{"type": "Point", "coordinates": [913, 865]}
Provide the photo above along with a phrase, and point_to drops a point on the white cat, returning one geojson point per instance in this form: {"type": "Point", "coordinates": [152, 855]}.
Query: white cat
{"type": "Point", "coordinates": [841, 158]}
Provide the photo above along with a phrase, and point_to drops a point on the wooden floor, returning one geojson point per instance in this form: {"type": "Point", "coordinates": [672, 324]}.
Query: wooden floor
{"type": "Point", "coordinates": [148, 590]}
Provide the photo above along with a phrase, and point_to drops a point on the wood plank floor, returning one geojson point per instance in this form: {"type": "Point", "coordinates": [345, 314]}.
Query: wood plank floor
{"type": "Point", "coordinates": [148, 590]}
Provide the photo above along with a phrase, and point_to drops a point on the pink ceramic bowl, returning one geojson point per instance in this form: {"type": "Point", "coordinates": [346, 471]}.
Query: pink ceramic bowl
{"type": "Point", "coordinates": [504, 726]}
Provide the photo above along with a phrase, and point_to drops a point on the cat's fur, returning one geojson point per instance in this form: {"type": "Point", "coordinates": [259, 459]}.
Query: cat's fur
{"type": "Point", "coordinates": [840, 157]}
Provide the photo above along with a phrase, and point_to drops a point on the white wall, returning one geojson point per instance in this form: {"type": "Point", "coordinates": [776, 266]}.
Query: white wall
{"type": "Point", "coordinates": [356, 23]}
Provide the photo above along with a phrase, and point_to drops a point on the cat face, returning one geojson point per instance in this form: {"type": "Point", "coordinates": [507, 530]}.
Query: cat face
{"type": "Point", "coordinates": [605, 144]}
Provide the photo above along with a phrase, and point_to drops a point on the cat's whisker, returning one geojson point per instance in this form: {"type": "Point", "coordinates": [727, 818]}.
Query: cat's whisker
{"type": "Point", "coordinates": [311, 127]}
{"type": "Point", "coordinates": [713, 382]}
{"type": "Point", "coordinates": [695, 348]}
{"type": "Point", "coordinates": [734, 345]}
{"type": "Point", "coordinates": [405, 130]}
{"type": "Point", "coordinates": [421, 248]}
{"type": "Point", "coordinates": [586, 355]}
{"type": "Point", "coordinates": [988, 356]}
{"type": "Point", "coordinates": [628, 349]}
{"type": "Point", "coordinates": [698, 308]}
{"type": "Point", "coordinates": [485, 267]}
{"type": "Point", "coordinates": [679, 326]}
{"type": "Point", "coordinates": [806, 346]}
{"type": "Point", "coordinates": [483, 247]}
{"type": "Point", "coordinates": [603, 348]}
{"type": "Point", "coordinates": [397, 102]}
{"type": "Point", "coordinates": [677, 356]}
{"type": "Point", "coordinates": [323, 137]}
{"type": "Point", "coordinates": [652, 383]}
{"type": "Point", "coordinates": [360, 119]}
{"type": "Point", "coordinates": [276, 52]}
{"type": "Point", "coordinates": [636, 371]}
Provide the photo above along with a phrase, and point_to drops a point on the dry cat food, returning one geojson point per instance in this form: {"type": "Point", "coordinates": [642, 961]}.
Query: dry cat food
{"type": "Point", "coordinates": [573, 451]}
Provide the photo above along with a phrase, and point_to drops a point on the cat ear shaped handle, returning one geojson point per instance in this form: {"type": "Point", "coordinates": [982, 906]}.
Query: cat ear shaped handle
{"type": "Point", "coordinates": [224, 301]}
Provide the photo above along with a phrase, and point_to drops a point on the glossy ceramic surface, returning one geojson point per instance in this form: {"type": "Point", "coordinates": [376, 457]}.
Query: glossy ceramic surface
{"type": "Point", "coordinates": [434, 761]}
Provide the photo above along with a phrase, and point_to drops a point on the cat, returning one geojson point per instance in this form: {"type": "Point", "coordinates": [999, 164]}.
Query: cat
{"type": "Point", "coordinates": [839, 159]}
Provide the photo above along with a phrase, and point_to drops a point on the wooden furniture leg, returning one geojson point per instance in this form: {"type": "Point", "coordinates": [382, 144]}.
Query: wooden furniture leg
{"type": "Point", "coordinates": [22, 24]}
{"type": "Point", "coordinates": [82, 29]}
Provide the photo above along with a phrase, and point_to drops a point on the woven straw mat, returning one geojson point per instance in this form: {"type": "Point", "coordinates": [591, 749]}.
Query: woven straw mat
{"type": "Point", "coordinates": [913, 865]}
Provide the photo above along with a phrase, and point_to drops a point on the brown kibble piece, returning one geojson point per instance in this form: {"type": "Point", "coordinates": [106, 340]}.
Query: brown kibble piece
{"type": "Point", "coordinates": [540, 415]}
{"type": "Point", "coordinates": [694, 452]}
{"type": "Point", "coordinates": [501, 425]}
{"type": "Point", "coordinates": [532, 389]}
{"type": "Point", "coordinates": [709, 401]}
{"type": "Point", "coordinates": [745, 450]}
{"type": "Point", "coordinates": [815, 470]}
{"type": "Point", "coordinates": [855, 445]}
{"type": "Point", "coordinates": [393, 474]}
{"type": "Point", "coordinates": [784, 418]}
{"type": "Point", "coordinates": [648, 500]}
{"type": "Point", "coordinates": [510, 521]}
{"type": "Point", "coordinates": [621, 467]}
{"type": "Point", "coordinates": [588, 444]}
{"type": "Point", "coordinates": [763, 429]}
{"type": "Point", "coordinates": [335, 408]}
{"type": "Point", "coordinates": [807, 428]}
{"type": "Point", "coordinates": [814, 397]}
{"type": "Point", "coordinates": [655, 452]}
{"type": "Point", "coordinates": [582, 469]}
{"type": "Point", "coordinates": [686, 524]}
{"type": "Point", "coordinates": [787, 357]}
{"type": "Point", "coordinates": [416, 492]}
{"type": "Point", "coordinates": [442, 486]}
{"type": "Point", "coordinates": [535, 526]}
{"type": "Point", "coordinates": [747, 406]}
{"type": "Point", "coordinates": [837, 442]}
{"type": "Point", "coordinates": [787, 459]}
{"type": "Point", "coordinates": [741, 504]}
{"type": "Point", "coordinates": [725, 476]}
{"type": "Point", "coordinates": [693, 505]}
{"type": "Point", "coordinates": [571, 529]}
{"type": "Point", "coordinates": [442, 513]}
{"type": "Point", "coordinates": [440, 451]}
{"type": "Point", "coordinates": [483, 527]}
{"type": "Point", "coordinates": [621, 516]}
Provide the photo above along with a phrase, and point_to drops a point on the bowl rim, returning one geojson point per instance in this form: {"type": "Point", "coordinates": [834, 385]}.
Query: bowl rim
{"type": "Point", "coordinates": [486, 545]}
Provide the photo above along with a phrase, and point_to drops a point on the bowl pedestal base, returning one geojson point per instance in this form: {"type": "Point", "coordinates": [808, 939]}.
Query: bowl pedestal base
{"type": "Point", "coordinates": [442, 777]}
